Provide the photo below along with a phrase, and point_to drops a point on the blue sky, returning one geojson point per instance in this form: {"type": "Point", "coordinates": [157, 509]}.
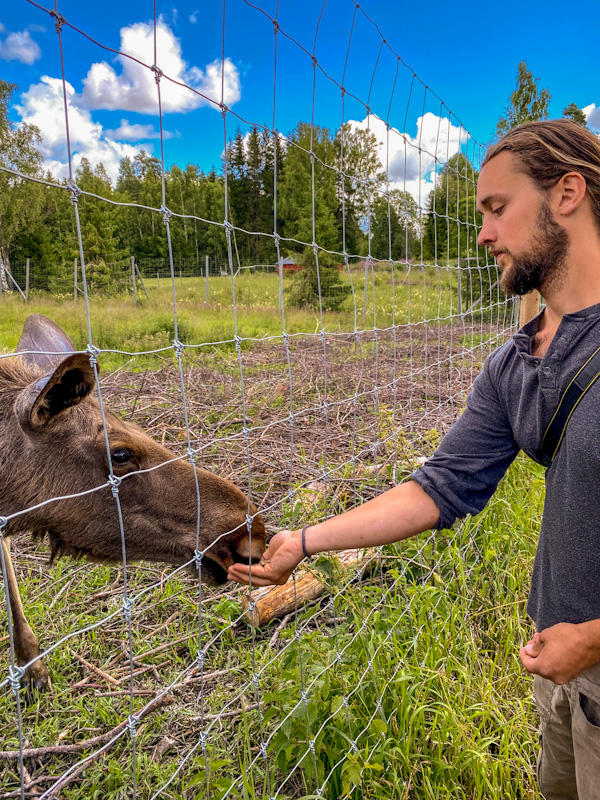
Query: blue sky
{"type": "Point", "coordinates": [466, 53]}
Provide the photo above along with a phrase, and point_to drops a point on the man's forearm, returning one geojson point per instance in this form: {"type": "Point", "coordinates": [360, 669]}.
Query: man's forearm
{"type": "Point", "coordinates": [397, 514]}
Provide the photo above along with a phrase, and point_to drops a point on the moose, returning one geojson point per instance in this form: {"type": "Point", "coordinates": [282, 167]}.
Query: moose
{"type": "Point", "coordinates": [53, 444]}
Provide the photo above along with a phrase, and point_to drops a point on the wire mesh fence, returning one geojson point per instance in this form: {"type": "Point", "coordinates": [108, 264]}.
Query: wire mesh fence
{"type": "Point", "coordinates": [313, 380]}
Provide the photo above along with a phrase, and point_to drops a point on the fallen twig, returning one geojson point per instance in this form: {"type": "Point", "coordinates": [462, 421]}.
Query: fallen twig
{"type": "Point", "coordinates": [86, 744]}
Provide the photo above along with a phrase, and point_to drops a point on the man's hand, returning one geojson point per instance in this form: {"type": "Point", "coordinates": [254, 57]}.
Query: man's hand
{"type": "Point", "coordinates": [563, 651]}
{"type": "Point", "coordinates": [279, 560]}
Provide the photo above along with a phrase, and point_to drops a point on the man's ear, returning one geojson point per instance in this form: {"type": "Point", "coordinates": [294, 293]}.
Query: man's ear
{"type": "Point", "coordinates": [569, 193]}
{"type": "Point", "coordinates": [43, 400]}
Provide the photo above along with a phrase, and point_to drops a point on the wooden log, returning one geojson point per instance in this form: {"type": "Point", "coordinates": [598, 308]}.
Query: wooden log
{"type": "Point", "coordinates": [271, 602]}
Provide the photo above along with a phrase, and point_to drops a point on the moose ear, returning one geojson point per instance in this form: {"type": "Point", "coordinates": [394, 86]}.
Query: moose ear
{"type": "Point", "coordinates": [40, 337]}
{"type": "Point", "coordinates": [44, 399]}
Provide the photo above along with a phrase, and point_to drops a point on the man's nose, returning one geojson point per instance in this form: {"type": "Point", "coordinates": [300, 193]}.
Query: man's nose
{"type": "Point", "coordinates": [487, 234]}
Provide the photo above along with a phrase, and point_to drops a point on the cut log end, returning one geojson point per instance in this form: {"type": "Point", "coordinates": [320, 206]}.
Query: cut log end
{"type": "Point", "coordinates": [271, 602]}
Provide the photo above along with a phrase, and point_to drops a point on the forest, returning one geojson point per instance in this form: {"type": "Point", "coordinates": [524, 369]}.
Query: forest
{"type": "Point", "coordinates": [355, 212]}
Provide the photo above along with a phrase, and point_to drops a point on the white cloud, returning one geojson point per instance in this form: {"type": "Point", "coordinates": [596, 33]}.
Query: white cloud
{"type": "Point", "coordinates": [19, 46]}
{"type": "Point", "coordinates": [592, 113]}
{"type": "Point", "coordinates": [194, 17]}
{"type": "Point", "coordinates": [411, 160]}
{"type": "Point", "coordinates": [134, 132]}
{"type": "Point", "coordinates": [42, 105]}
{"type": "Point", "coordinates": [134, 88]}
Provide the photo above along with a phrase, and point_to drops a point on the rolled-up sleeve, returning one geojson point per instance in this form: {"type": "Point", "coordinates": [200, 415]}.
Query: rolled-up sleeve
{"type": "Point", "coordinates": [466, 468]}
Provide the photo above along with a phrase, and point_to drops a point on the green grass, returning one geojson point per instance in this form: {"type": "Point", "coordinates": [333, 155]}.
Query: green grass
{"type": "Point", "coordinates": [116, 323]}
{"type": "Point", "coordinates": [444, 620]}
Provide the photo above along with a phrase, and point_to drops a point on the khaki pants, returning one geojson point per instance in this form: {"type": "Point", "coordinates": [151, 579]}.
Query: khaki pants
{"type": "Point", "coordinates": [569, 760]}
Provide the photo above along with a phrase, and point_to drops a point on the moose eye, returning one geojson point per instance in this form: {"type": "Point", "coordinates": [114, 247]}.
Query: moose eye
{"type": "Point", "coordinates": [122, 456]}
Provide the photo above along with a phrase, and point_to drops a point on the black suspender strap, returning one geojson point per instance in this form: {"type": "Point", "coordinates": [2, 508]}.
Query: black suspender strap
{"type": "Point", "coordinates": [579, 385]}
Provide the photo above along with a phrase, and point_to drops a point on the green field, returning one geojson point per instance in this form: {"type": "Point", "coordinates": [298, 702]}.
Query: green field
{"type": "Point", "coordinates": [422, 294]}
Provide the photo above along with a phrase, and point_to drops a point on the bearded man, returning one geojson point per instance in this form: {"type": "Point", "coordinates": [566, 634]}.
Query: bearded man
{"type": "Point", "coordinates": [539, 194]}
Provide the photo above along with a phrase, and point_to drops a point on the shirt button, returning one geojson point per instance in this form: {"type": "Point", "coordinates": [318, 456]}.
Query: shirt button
{"type": "Point", "coordinates": [547, 370]}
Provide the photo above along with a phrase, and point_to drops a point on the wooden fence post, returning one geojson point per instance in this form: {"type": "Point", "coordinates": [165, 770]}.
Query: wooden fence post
{"type": "Point", "coordinates": [459, 282]}
{"type": "Point", "coordinates": [530, 306]}
{"type": "Point", "coordinates": [206, 271]}
{"type": "Point", "coordinates": [133, 281]}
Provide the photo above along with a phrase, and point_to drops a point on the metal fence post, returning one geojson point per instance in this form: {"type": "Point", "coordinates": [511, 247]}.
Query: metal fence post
{"type": "Point", "coordinates": [27, 280]}
{"type": "Point", "coordinates": [75, 282]}
{"type": "Point", "coordinates": [133, 281]}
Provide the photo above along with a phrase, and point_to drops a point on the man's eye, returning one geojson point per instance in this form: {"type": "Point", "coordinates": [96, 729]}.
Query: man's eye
{"type": "Point", "coordinates": [122, 456]}
{"type": "Point", "coordinates": [498, 211]}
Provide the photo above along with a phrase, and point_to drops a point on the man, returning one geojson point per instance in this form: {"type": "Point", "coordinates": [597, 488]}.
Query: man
{"type": "Point", "coordinates": [539, 194]}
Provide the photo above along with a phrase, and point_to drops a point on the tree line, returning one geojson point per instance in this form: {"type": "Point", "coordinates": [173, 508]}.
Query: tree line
{"type": "Point", "coordinates": [261, 174]}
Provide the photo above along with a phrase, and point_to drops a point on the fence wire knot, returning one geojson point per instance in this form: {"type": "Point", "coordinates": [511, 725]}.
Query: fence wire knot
{"type": "Point", "coordinates": [200, 656]}
{"type": "Point", "coordinates": [305, 697]}
{"type": "Point", "coordinates": [158, 73]}
{"type": "Point", "coordinates": [249, 521]}
{"type": "Point", "coordinates": [228, 228]}
{"type": "Point", "coordinates": [263, 750]}
{"type": "Point", "coordinates": [128, 604]}
{"type": "Point", "coordinates": [59, 20]}
{"type": "Point", "coordinates": [3, 524]}
{"type": "Point", "coordinates": [167, 214]}
{"type": "Point", "coordinates": [132, 723]}
{"type": "Point", "coordinates": [192, 454]}
{"type": "Point", "coordinates": [224, 109]}
{"type": "Point", "coordinates": [93, 353]}
{"type": "Point", "coordinates": [275, 27]}
{"type": "Point", "coordinates": [353, 746]}
{"type": "Point", "coordinates": [15, 675]}
{"type": "Point", "coordinates": [198, 556]}
{"type": "Point", "coordinates": [311, 745]}
{"type": "Point", "coordinates": [178, 347]}
{"type": "Point", "coordinates": [238, 343]}
{"type": "Point", "coordinates": [74, 191]}
{"type": "Point", "coordinates": [292, 419]}
{"type": "Point", "coordinates": [114, 482]}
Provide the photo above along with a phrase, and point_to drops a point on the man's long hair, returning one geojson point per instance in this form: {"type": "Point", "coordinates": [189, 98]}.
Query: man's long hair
{"type": "Point", "coordinates": [549, 149]}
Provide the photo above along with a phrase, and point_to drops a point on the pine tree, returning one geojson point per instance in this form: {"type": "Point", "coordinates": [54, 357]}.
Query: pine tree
{"type": "Point", "coordinates": [572, 111]}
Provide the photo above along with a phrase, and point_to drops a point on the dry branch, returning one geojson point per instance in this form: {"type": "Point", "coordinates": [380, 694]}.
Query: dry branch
{"type": "Point", "coordinates": [86, 744]}
{"type": "Point", "coordinates": [270, 602]}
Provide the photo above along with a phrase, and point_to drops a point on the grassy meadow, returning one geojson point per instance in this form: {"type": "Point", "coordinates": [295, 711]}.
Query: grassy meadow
{"type": "Point", "coordinates": [402, 682]}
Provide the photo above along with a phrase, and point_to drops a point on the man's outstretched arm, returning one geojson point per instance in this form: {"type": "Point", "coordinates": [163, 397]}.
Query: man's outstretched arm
{"type": "Point", "coordinates": [396, 514]}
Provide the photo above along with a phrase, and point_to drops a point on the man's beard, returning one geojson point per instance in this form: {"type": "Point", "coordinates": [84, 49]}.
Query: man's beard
{"type": "Point", "coordinates": [542, 266]}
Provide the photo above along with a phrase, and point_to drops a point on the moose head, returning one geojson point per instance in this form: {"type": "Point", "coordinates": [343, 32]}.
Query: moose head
{"type": "Point", "coordinates": [57, 442]}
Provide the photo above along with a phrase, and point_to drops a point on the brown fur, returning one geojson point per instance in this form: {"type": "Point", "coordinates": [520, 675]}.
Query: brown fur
{"type": "Point", "coordinates": [52, 444]}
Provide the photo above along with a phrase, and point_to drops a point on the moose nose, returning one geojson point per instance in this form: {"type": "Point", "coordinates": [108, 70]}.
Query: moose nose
{"type": "Point", "coordinates": [241, 559]}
